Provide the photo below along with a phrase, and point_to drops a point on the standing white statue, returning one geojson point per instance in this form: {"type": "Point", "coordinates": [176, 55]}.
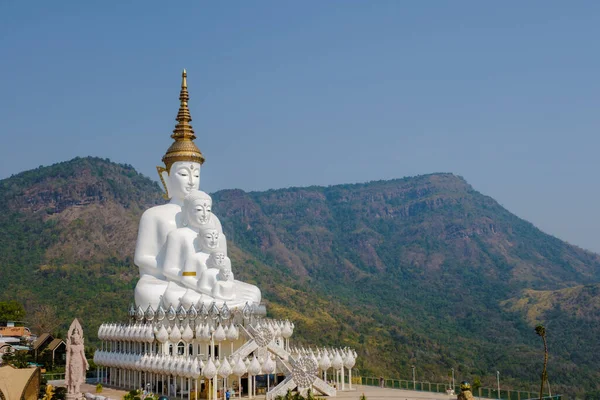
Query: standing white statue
{"type": "Point", "coordinates": [76, 361]}
{"type": "Point", "coordinates": [168, 253]}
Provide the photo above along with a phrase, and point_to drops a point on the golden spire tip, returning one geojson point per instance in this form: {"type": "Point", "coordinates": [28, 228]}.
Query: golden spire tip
{"type": "Point", "coordinates": [184, 79]}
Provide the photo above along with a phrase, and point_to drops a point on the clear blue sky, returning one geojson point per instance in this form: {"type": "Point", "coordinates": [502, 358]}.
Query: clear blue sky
{"type": "Point", "coordinates": [506, 94]}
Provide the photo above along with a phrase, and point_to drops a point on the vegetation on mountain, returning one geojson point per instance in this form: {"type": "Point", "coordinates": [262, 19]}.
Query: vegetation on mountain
{"type": "Point", "coordinates": [420, 271]}
{"type": "Point", "coordinates": [17, 358]}
{"type": "Point", "coordinates": [11, 310]}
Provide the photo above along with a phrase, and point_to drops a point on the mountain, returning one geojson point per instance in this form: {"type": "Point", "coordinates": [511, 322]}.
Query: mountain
{"type": "Point", "coordinates": [420, 271]}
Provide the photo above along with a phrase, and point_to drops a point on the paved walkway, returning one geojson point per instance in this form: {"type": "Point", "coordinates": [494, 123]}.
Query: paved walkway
{"type": "Point", "coordinates": [376, 393]}
{"type": "Point", "coordinates": [114, 394]}
{"type": "Point", "coordinates": [371, 392]}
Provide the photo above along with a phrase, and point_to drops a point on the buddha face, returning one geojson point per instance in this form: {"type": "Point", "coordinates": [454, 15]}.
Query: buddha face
{"type": "Point", "coordinates": [209, 238]}
{"type": "Point", "coordinates": [199, 211]}
{"type": "Point", "coordinates": [184, 177]}
{"type": "Point", "coordinates": [216, 260]}
{"type": "Point", "coordinates": [225, 274]}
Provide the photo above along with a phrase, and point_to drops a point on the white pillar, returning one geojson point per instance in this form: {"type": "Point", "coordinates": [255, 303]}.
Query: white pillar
{"type": "Point", "coordinates": [350, 377]}
{"type": "Point", "coordinates": [250, 377]}
{"type": "Point", "coordinates": [214, 394]}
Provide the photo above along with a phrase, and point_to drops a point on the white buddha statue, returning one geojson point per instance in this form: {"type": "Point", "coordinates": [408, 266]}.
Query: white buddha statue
{"type": "Point", "coordinates": [176, 240]}
{"type": "Point", "coordinates": [180, 175]}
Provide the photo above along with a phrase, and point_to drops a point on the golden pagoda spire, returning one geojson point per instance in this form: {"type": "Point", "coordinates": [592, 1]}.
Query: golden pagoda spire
{"type": "Point", "coordinates": [183, 149]}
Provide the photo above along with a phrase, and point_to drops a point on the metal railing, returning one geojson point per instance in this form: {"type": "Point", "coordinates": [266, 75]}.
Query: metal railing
{"type": "Point", "coordinates": [61, 376]}
{"type": "Point", "coordinates": [489, 393]}
{"type": "Point", "coordinates": [54, 377]}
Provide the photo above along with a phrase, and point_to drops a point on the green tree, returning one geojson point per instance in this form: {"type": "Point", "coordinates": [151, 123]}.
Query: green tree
{"type": "Point", "coordinates": [593, 395]}
{"type": "Point", "coordinates": [541, 331]}
{"type": "Point", "coordinates": [11, 310]}
{"type": "Point", "coordinates": [476, 385]}
{"type": "Point", "coordinates": [16, 358]}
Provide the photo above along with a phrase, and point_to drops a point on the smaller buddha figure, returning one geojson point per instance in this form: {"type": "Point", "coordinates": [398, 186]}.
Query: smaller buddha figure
{"type": "Point", "coordinates": [199, 235]}
{"type": "Point", "coordinates": [224, 287]}
{"type": "Point", "coordinates": [216, 262]}
{"type": "Point", "coordinates": [187, 250]}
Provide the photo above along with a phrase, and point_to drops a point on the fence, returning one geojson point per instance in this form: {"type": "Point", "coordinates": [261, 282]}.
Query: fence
{"type": "Point", "coordinates": [489, 393]}
{"type": "Point", "coordinates": [61, 376]}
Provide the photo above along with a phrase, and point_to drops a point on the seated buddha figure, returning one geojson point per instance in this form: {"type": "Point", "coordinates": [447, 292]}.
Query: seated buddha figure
{"type": "Point", "coordinates": [224, 287]}
{"type": "Point", "coordinates": [155, 225]}
{"type": "Point", "coordinates": [187, 249]}
{"type": "Point", "coordinates": [211, 267]}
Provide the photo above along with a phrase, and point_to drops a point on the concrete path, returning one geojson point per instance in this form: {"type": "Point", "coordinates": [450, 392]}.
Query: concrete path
{"type": "Point", "coordinates": [376, 393]}
{"type": "Point", "coordinates": [371, 392]}
{"type": "Point", "coordinates": [109, 393]}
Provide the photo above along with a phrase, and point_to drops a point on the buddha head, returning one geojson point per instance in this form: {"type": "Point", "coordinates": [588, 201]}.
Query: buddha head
{"type": "Point", "coordinates": [216, 259]}
{"type": "Point", "coordinates": [225, 273]}
{"type": "Point", "coordinates": [197, 207]}
{"type": "Point", "coordinates": [208, 239]}
{"type": "Point", "coordinates": [180, 179]}
{"type": "Point", "coordinates": [183, 159]}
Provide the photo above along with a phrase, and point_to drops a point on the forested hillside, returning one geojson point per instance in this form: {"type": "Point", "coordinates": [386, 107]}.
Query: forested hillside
{"type": "Point", "coordinates": [419, 271]}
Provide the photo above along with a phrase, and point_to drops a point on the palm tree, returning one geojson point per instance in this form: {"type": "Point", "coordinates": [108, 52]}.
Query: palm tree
{"type": "Point", "coordinates": [541, 331]}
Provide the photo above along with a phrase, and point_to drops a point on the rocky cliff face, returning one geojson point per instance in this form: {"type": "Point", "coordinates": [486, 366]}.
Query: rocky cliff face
{"type": "Point", "coordinates": [409, 271]}
{"type": "Point", "coordinates": [420, 226]}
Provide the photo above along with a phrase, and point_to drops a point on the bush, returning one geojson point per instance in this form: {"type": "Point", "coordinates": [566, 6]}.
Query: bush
{"type": "Point", "coordinates": [99, 388]}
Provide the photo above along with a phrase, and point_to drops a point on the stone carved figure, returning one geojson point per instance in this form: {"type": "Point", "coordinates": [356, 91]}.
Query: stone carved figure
{"type": "Point", "coordinates": [76, 361]}
{"type": "Point", "coordinates": [176, 239]}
